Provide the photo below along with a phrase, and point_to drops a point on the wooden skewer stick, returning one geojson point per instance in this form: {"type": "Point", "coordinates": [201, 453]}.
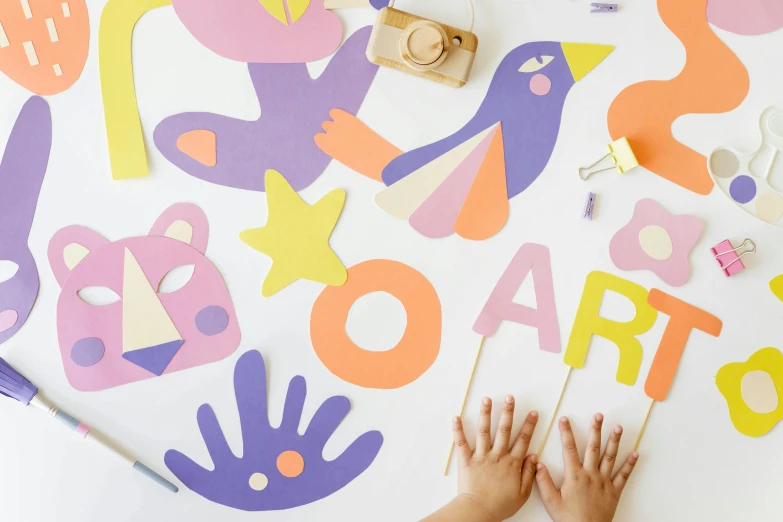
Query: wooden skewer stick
{"type": "Point", "coordinates": [644, 425]}
{"type": "Point", "coordinates": [554, 413]}
{"type": "Point", "coordinates": [465, 399]}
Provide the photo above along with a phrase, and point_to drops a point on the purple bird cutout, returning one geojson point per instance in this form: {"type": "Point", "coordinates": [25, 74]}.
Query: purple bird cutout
{"type": "Point", "coordinates": [21, 174]}
{"type": "Point", "coordinates": [293, 106]}
{"type": "Point", "coordinates": [279, 468]}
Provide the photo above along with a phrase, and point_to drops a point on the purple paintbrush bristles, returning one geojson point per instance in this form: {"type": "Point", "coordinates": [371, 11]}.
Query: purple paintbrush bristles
{"type": "Point", "coordinates": [13, 384]}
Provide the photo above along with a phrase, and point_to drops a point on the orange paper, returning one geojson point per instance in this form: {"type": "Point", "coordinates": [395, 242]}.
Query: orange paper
{"type": "Point", "coordinates": [404, 363]}
{"type": "Point", "coordinates": [712, 81]}
{"type": "Point", "coordinates": [683, 318]}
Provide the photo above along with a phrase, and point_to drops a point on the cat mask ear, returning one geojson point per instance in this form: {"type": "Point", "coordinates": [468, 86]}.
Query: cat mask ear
{"type": "Point", "coordinates": [184, 222]}
{"type": "Point", "coordinates": [69, 246]}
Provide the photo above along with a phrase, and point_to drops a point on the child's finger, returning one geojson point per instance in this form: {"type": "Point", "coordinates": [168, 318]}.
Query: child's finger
{"type": "Point", "coordinates": [460, 442]}
{"type": "Point", "coordinates": [483, 444]}
{"type": "Point", "coordinates": [571, 461]}
{"type": "Point", "coordinates": [528, 474]}
{"type": "Point", "coordinates": [593, 451]}
{"type": "Point", "coordinates": [622, 476]}
{"type": "Point", "coordinates": [503, 435]}
{"type": "Point", "coordinates": [610, 454]}
{"type": "Point", "coordinates": [522, 443]}
{"type": "Point", "coordinates": [549, 493]}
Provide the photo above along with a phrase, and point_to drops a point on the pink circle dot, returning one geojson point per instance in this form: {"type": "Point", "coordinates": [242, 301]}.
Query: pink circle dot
{"type": "Point", "coordinates": [540, 84]}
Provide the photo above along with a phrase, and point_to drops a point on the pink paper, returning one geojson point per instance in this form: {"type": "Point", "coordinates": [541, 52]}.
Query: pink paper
{"type": "Point", "coordinates": [201, 311]}
{"type": "Point", "coordinates": [747, 17]}
{"type": "Point", "coordinates": [499, 306]}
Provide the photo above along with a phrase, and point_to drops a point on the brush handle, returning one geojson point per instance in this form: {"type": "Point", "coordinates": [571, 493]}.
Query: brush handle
{"type": "Point", "coordinates": [83, 430]}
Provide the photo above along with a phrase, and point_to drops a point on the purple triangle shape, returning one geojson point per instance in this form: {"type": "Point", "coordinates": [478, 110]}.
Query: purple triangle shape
{"type": "Point", "coordinates": [154, 359]}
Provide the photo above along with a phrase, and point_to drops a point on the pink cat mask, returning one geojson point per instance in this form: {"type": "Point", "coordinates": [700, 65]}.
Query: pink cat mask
{"type": "Point", "coordinates": [143, 329]}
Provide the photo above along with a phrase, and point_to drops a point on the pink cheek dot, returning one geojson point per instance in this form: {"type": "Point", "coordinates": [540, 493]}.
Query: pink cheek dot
{"type": "Point", "coordinates": [7, 319]}
{"type": "Point", "coordinates": [540, 84]}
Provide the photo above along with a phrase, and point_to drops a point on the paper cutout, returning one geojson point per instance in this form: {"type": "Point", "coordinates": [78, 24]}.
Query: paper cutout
{"type": "Point", "coordinates": [259, 481]}
{"type": "Point", "coordinates": [127, 152]}
{"type": "Point", "coordinates": [683, 318]}
{"type": "Point", "coordinates": [22, 172]}
{"type": "Point", "coordinates": [462, 183]}
{"type": "Point", "coordinates": [776, 285]}
{"type": "Point", "coordinates": [731, 383]}
{"type": "Point", "coordinates": [145, 334]}
{"type": "Point", "coordinates": [260, 31]}
{"type": "Point", "coordinates": [644, 112]}
{"type": "Point", "coordinates": [201, 145]}
{"type": "Point", "coordinates": [296, 237]}
{"type": "Point", "coordinates": [404, 363]}
{"type": "Point", "coordinates": [753, 180]}
{"type": "Point", "coordinates": [44, 52]}
{"type": "Point", "coordinates": [293, 105]}
{"type": "Point", "coordinates": [500, 306]}
{"type": "Point", "coordinates": [588, 322]}
{"type": "Point", "coordinates": [750, 17]}
{"type": "Point", "coordinates": [658, 241]}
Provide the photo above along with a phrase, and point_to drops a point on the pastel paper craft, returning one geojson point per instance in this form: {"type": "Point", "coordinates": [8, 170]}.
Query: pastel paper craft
{"type": "Point", "coordinates": [589, 322]}
{"type": "Point", "coordinates": [749, 17]}
{"type": "Point", "coordinates": [293, 105]}
{"type": "Point", "coordinates": [500, 306]}
{"type": "Point", "coordinates": [753, 391]}
{"type": "Point", "coordinates": [776, 285]}
{"type": "Point", "coordinates": [127, 152]}
{"type": "Point", "coordinates": [462, 183]}
{"type": "Point", "coordinates": [390, 369]}
{"type": "Point", "coordinates": [279, 468]}
{"type": "Point", "coordinates": [265, 31]}
{"type": "Point", "coordinates": [683, 319]}
{"type": "Point", "coordinates": [645, 112]}
{"type": "Point", "coordinates": [749, 178]}
{"type": "Point", "coordinates": [44, 43]}
{"type": "Point", "coordinates": [657, 241]}
{"type": "Point", "coordinates": [22, 172]}
{"type": "Point", "coordinates": [296, 237]}
{"type": "Point", "coordinates": [147, 331]}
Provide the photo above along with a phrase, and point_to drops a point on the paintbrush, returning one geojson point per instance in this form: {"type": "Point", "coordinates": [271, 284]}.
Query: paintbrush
{"type": "Point", "coordinates": [13, 384]}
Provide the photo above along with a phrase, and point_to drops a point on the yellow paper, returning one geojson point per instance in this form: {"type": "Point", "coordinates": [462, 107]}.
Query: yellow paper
{"type": "Point", "coordinates": [588, 322]}
{"type": "Point", "coordinates": [776, 285]}
{"type": "Point", "coordinates": [582, 58]}
{"type": "Point", "coordinates": [296, 237]}
{"type": "Point", "coordinates": [729, 381]}
{"type": "Point", "coordinates": [127, 153]}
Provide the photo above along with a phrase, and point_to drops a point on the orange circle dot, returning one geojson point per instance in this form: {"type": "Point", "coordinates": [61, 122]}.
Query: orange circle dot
{"type": "Point", "coordinates": [290, 464]}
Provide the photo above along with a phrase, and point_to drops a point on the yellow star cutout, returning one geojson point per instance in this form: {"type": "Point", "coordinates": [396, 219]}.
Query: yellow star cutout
{"type": "Point", "coordinates": [296, 237]}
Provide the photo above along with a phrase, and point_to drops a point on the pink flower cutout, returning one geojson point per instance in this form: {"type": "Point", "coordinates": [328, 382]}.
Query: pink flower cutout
{"type": "Point", "coordinates": [657, 241]}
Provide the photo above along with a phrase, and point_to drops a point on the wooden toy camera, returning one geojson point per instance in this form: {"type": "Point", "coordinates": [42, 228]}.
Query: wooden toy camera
{"type": "Point", "coordinates": [410, 43]}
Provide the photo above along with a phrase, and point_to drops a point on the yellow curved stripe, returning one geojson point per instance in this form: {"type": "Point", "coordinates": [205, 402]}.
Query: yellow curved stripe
{"type": "Point", "coordinates": [297, 8]}
{"type": "Point", "coordinates": [127, 153]}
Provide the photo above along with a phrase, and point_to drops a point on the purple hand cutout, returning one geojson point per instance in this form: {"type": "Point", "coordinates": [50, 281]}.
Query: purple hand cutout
{"type": "Point", "coordinates": [21, 174]}
{"type": "Point", "coordinates": [279, 468]}
{"type": "Point", "coordinates": [293, 106]}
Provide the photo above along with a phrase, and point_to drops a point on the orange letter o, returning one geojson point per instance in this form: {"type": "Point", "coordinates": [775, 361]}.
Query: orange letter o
{"type": "Point", "coordinates": [399, 366]}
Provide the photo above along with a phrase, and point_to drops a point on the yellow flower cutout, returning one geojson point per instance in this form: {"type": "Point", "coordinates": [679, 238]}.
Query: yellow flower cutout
{"type": "Point", "coordinates": [752, 390]}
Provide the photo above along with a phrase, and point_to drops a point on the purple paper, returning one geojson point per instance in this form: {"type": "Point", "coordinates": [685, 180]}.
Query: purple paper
{"type": "Point", "coordinates": [235, 482]}
{"type": "Point", "coordinates": [212, 320]}
{"type": "Point", "coordinates": [21, 174]}
{"type": "Point", "coordinates": [293, 106]}
{"type": "Point", "coordinates": [531, 120]}
{"type": "Point", "coordinates": [13, 384]}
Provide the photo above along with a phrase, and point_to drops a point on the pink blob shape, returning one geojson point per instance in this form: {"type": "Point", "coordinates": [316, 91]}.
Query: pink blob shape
{"type": "Point", "coordinates": [7, 319]}
{"type": "Point", "coordinates": [540, 84]}
{"type": "Point", "coordinates": [627, 253]}
{"type": "Point", "coordinates": [747, 17]}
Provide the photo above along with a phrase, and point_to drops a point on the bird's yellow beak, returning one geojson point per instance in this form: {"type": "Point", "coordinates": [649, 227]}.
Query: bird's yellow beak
{"type": "Point", "coordinates": [344, 4]}
{"type": "Point", "coordinates": [582, 58]}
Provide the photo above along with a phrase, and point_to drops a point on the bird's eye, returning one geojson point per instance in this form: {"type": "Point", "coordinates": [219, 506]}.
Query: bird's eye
{"type": "Point", "coordinates": [536, 64]}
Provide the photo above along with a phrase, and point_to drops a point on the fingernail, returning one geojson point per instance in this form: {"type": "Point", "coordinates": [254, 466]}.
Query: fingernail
{"type": "Point", "coordinates": [534, 414]}
{"type": "Point", "coordinates": [599, 417]}
{"type": "Point", "coordinates": [509, 399]}
{"type": "Point", "coordinates": [563, 420]}
{"type": "Point", "coordinates": [540, 466]}
{"type": "Point", "coordinates": [534, 458]}
{"type": "Point", "coordinates": [456, 420]}
{"type": "Point", "coordinates": [486, 400]}
{"type": "Point", "coordinates": [635, 455]}
{"type": "Point", "coordinates": [618, 429]}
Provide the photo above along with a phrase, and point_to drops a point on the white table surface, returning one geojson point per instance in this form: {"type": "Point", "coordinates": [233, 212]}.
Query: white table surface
{"type": "Point", "coordinates": [694, 465]}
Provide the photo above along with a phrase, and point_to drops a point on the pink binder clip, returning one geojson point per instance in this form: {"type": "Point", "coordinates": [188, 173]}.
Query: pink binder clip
{"type": "Point", "coordinates": [727, 257]}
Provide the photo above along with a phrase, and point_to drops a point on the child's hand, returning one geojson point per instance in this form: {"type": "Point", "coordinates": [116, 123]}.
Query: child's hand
{"type": "Point", "coordinates": [589, 493]}
{"type": "Point", "coordinates": [496, 478]}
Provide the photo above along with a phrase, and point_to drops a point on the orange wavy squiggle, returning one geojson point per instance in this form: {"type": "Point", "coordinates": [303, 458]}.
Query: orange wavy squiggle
{"type": "Point", "coordinates": [712, 81]}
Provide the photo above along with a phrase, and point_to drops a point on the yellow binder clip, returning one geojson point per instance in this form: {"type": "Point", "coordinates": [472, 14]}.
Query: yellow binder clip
{"type": "Point", "coordinates": [622, 155]}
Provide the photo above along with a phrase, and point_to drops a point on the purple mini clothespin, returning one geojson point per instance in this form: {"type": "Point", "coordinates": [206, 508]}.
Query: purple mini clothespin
{"type": "Point", "coordinates": [589, 206]}
{"type": "Point", "coordinates": [603, 8]}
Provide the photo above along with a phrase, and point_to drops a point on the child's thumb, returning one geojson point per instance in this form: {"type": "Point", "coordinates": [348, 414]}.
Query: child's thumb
{"type": "Point", "coordinates": [546, 485]}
